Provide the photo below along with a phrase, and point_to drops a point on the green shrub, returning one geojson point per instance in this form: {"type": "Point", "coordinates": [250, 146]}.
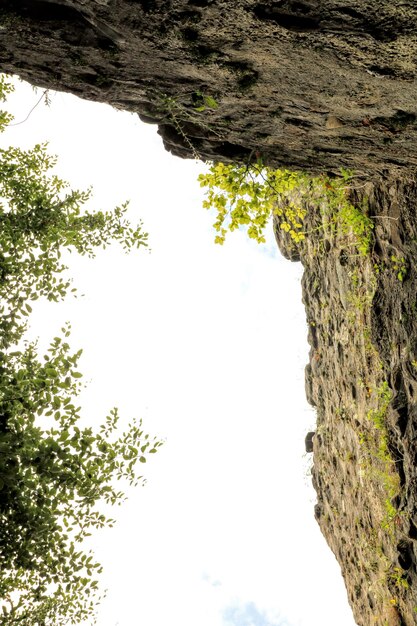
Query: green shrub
{"type": "Point", "coordinates": [249, 195]}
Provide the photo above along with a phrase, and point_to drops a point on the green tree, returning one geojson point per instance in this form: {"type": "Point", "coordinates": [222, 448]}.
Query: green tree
{"type": "Point", "coordinates": [57, 479]}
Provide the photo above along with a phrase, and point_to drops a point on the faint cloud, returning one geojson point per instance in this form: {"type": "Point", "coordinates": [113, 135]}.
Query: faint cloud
{"type": "Point", "coordinates": [269, 248]}
{"type": "Point", "coordinates": [213, 582]}
{"type": "Point", "coordinates": [249, 615]}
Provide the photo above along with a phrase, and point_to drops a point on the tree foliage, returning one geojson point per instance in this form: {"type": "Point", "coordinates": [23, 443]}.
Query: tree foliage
{"type": "Point", "coordinates": [247, 196]}
{"type": "Point", "coordinates": [39, 218]}
{"type": "Point", "coordinates": [56, 477]}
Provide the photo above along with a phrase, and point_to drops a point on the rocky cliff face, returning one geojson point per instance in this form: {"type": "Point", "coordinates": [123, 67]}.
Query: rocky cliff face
{"type": "Point", "coordinates": [310, 85]}
{"type": "Point", "coordinates": [305, 83]}
{"type": "Point", "coordinates": [362, 379]}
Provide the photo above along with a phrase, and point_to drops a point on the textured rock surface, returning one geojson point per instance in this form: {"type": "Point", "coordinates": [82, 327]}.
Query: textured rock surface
{"type": "Point", "coordinates": [304, 84]}
{"type": "Point", "coordinates": [362, 379]}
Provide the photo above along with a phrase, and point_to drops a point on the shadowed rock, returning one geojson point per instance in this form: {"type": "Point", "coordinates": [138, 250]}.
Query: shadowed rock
{"type": "Point", "coordinates": [305, 84]}
{"type": "Point", "coordinates": [309, 441]}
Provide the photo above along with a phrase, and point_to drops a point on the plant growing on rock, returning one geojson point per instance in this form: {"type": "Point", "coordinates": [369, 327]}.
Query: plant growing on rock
{"type": "Point", "coordinates": [380, 464]}
{"type": "Point", "coordinates": [400, 266]}
{"type": "Point", "coordinates": [249, 195]}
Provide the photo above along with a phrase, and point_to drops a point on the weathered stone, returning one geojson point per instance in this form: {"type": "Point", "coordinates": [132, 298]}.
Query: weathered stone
{"type": "Point", "coordinates": [362, 379]}
{"type": "Point", "coordinates": [309, 441]}
{"type": "Point", "coordinates": [304, 84]}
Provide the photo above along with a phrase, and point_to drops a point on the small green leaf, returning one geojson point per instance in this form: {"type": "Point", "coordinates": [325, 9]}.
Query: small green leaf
{"type": "Point", "coordinates": [210, 102]}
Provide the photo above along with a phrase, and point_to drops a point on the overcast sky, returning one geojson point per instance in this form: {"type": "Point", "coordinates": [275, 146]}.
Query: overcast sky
{"type": "Point", "coordinates": [208, 345]}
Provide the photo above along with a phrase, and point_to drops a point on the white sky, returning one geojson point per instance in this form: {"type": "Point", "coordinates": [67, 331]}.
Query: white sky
{"type": "Point", "coordinates": [207, 345]}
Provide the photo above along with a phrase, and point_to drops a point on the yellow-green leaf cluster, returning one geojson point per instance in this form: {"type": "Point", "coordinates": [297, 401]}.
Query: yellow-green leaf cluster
{"type": "Point", "coordinates": [247, 196]}
{"type": "Point", "coordinates": [351, 219]}
{"type": "Point", "coordinates": [292, 221]}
